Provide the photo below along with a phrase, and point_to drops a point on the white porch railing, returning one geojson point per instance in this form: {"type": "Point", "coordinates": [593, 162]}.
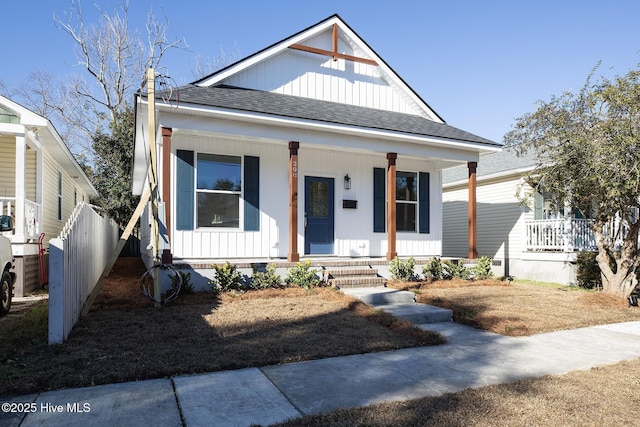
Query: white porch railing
{"type": "Point", "coordinates": [77, 259]}
{"type": "Point", "coordinates": [32, 215]}
{"type": "Point", "coordinates": [565, 235]}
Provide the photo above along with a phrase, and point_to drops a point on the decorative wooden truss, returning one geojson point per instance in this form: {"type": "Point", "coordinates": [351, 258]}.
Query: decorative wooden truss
{"type": "Point", "coordinates": [334, 51]}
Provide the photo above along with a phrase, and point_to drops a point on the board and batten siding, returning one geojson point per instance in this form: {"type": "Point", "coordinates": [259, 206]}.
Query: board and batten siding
{"type": "Point", "coordinates": [271, 239]}
{"type": "Point", "coordinates": [500, 220]}
{"type": "Point", "coordinates": [309, 75]}
{"type": "Point", "coordinates": [354, 234]}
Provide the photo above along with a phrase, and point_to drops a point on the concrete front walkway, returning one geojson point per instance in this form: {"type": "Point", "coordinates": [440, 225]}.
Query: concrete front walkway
{"type": "Point", "coordinates": [472, 358]}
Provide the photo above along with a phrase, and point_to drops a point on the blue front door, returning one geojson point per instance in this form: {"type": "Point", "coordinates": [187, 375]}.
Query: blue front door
{"type": "Point", "coordinates": [318, 211]}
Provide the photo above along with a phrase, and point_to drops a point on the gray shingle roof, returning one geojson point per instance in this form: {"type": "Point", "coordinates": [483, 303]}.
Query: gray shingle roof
{"type": "Point", "coordinates": [489, 164]}
{"type": "Point", "coordinates": [255, 101]}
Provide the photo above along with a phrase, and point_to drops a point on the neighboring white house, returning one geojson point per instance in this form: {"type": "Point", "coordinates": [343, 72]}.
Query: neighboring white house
{"type": "Point", "coordinates": [40, 184]}
{"type": "Point", "coordinates": [289, 152]}
{"type": "Point", "coordinates": [538, 240]}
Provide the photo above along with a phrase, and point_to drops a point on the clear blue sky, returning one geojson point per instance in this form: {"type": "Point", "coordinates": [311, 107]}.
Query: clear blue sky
{"type": "Point", "coordinates": [479, 64]}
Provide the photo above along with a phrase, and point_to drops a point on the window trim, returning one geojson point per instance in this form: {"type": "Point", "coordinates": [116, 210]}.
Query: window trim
{"type": "Point", "coordinates": [239, 193]}
{"type": "Point", "coordinates": [410, 202]}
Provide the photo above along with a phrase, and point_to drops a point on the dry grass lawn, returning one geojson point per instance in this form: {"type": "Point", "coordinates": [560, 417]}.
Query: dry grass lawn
{"type": "Point", "coordinates": [124, 338]}
{"type": "Point", "coordinates": [604, 396]}
{"type": "Point", "coordinates": [519, 309]}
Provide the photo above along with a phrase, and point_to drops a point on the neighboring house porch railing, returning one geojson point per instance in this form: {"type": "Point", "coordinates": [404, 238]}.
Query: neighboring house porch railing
{"type": "Point", "coordinates": [560, 235]}
{"type": "Point", "coordinates": [32, 215]}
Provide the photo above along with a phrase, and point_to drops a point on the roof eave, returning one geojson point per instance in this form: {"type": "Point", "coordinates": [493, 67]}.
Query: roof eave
{"type": "Point", "coordinates": [490, 177]}
{"type": "Point", "coordinates": [248, 116]}
{"type": "Point", "coordinates": [71, 161]}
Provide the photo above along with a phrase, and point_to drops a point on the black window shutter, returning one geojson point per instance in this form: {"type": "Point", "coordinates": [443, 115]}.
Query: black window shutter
{"type": "Point", "coordinates": [379, 199]}
{"type": "Point", "coordinates": [185, 190]}
{"type": "Point", "coordinates": [251, 193]}
{"type": "Point", "coordinates": [423, 202]}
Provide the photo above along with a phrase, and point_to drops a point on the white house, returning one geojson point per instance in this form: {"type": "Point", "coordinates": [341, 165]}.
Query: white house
{"type": "Point", "coordinates": [538, 240]}
{"type": "Point", "coordinates": [40, 184]}
{"type": "Point", "coordinates": [311, 146]}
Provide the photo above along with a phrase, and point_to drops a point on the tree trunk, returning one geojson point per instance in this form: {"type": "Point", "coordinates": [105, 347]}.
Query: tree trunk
{"type": "Point", "coordinates": [619, 284]}
{"type": "Point", "coordinates": [623, 281]}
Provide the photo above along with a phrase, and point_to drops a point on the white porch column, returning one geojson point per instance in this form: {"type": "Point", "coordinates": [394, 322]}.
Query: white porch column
{"type": "Point", "coordinates": [21, 178]}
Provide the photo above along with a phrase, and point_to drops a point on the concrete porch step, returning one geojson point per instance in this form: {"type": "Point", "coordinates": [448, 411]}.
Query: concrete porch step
{"type": "Point", "coordinates": [358, 282]}
{"type": "Point", "coordinates": [353, 276]}
{"type": "Point", "coordinates": [418, 313]}
{"type": "Point", "coordinates": [350, 271]}
{"type": "Point", "coordinates": [381, 296]}
{"type": "Point", "coordinates": [401, 304]}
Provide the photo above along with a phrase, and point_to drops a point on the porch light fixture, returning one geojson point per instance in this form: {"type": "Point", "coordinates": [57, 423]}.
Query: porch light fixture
{"type": "Point", "coordinates": [347, 182]}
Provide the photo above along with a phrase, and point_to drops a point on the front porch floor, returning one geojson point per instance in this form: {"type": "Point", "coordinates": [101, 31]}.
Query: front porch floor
{"type": "Point", "coordinates": [315, 261]}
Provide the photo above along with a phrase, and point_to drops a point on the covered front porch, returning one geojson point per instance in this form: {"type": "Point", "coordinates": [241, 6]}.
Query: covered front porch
{"type": "Point", "coordinates": [377, 203]}
{"type": "Point", "coordinates": [21, 165]}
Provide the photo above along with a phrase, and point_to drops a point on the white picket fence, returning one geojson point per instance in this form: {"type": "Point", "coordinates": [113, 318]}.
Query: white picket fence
{"type": "Point", "coordinates": [77, 258]}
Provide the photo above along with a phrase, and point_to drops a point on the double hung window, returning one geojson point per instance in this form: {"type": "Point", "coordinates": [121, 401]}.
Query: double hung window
{"type": "Point", "coordinates": [218, 190]}
{"type": "Point", "coordinates": [412, 201]}
{"type": "Point", "coordinates": [406, 200]}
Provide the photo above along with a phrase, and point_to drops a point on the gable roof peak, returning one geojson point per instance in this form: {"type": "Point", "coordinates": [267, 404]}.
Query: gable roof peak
{"type": "Point", "coordinates": [217, 75]}
{"type": "Point", "coordinates": [341, 32]}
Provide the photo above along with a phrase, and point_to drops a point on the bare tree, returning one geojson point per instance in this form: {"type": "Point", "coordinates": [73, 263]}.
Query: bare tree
{"type": "Point", "coordinates": [41, 94]}
{"type": "Point", "coordinates": [206, 65]}
{"type": "Point", "coordinates": [45, 95]}
{"type": "Point", "coordinates": [115, 59]}
{"type": "Point", "coordinates": [4, 90]}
